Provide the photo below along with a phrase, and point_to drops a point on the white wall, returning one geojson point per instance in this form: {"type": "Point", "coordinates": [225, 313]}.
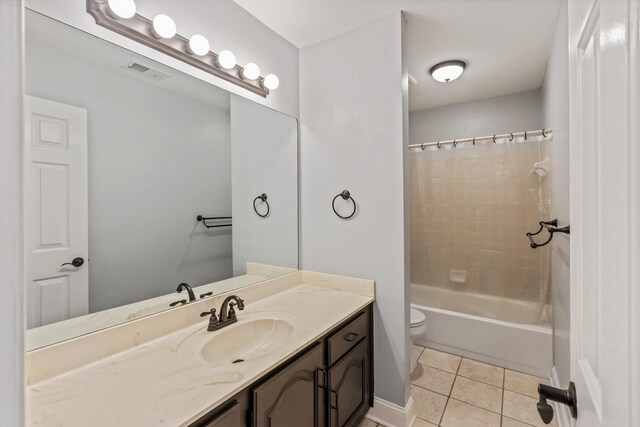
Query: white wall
{"type": "Point", "coordinates": [225, 24]}
{"type": "Point", "coordinates": [12, 280]}
{"type": "Point", "coordinates": [556, 116]}
{"type": "Point", "coordinates": [264, 153]}
{"type": "Point", "coordinates": [351, 133]}
{"type": "Point", "coordinates": [156, 160]}
{"type": "Point", "coordinates": [501, 114]}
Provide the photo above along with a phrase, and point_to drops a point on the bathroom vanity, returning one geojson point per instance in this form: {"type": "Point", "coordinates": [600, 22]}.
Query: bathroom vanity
{"type": "Point", "coordinates": [299, 354]}
{"type": "Point", "coordinates": [328, 383]}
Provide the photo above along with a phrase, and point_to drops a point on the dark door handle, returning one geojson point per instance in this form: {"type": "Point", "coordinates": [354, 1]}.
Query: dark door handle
{"type": "Point", "coordinates": [77, 262]}
{"type": "Point", "coordinates": [351, 337]}
{"type": "Point", "coordinates": [566, 397]}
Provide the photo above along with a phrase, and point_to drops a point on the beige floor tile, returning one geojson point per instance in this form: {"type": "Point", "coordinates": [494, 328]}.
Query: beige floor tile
{"type": "Point", "coordinates": [367, 423]}
{"type": "Point", "coordinates": [508, 422]}
{"type": "Point", "coordinates": [482, 372]}
{"type": "Point", "coordinates": [422, 423]}
{"type": "Point", "coordinates": [478, 394]}
{"type": "Point", "coordinates": [522, 383]}
{"type": "Point", "coordinates": [523, 408]}
{"type": "Point", "coordinates": [433, 379]}
{"type": "Point", "coordinates": [438, 359]}
{"type": "Point", "coordinates": [429, 405]}
{"type": "Point", "coordinates": [460, 414]}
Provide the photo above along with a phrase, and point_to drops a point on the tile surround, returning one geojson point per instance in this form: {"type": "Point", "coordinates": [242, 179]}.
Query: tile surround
{"type": "Point", "coordinates": [480, 396]}
{"type": "Point", "coordinates": [470, 209]}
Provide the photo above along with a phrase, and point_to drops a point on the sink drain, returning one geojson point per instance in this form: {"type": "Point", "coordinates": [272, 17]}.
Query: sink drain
{"type": "Point", "coordinates": [238, 361]}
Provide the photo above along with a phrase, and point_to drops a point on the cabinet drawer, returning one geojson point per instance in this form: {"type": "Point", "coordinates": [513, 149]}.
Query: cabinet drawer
{"type": "Point", "coordinates": [347, 337]}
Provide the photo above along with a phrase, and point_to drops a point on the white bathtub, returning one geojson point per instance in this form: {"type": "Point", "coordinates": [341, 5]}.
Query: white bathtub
{"type": "Point", "coordinates": [464, 324]}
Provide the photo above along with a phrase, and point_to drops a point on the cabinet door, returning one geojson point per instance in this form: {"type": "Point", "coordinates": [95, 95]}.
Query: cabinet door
{"type": "Point", "coordinates": [229, 416]}
{"type": "Point", "coordinates": [350, 387]}
{"type": "Point", "coordinates": [294, 396]}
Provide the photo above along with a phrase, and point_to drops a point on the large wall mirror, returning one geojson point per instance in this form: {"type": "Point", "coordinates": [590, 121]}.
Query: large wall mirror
{"type": "Point", "coordinates": [123, 156]}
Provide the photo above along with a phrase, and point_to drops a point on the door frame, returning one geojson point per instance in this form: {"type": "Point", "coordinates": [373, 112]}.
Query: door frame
{"type": "Point", "coordinates": [629, 218]}
{"type": "Point", "coordinates": [12, 273]}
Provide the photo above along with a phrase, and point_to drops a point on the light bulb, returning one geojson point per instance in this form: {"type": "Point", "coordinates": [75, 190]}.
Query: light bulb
{"type": "Point", "coordinates": [271, 81]}
{"type": "Point", "coordinates": [122, 8]}
{"type": "Point", "coordinates": [198, 45]}
{"type": "Point", "coordinates": [447, 71]}
{"type": "Point", "coordinates": [251, 71]}
{"type": "Point", "coordinates": [227, 59]}
{"type": "Point", "coordinates": [164, 27]}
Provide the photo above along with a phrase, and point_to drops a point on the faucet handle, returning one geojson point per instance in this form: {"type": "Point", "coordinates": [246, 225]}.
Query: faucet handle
{"type": "Point", "coordinates": [181, 302]}
{"type": "Point", "coordinates": [211, 313]}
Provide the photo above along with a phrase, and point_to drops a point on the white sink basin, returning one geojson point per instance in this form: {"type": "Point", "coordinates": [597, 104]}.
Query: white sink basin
{"type": "Point", "coordinates": [247, 340]}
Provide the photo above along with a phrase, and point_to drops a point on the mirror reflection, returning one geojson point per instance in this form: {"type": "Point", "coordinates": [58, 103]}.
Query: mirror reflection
{"type": "Point", "coordinates": [128, 156]}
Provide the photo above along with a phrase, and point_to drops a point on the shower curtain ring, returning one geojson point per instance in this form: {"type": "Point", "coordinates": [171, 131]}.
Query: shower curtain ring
{"type": "Point", "coordinates": [454, 143]}
{"type": "Point", "coordinates": [510, 136]}
{"type": "Point", "coordinates": [474, 141]}
{"type": "Point", "coordinates": [438, 144]}
{"type": "Point", "coordinates": [525, 135]}
{"type": "Point", "coordinates": [422, 146]}
{"type": "Point", "coordinates": [494, 138]}
{"type": "Point", "coordinates": [544, 135]}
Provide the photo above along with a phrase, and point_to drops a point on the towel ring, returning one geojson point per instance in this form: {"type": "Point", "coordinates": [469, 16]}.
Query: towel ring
{"type": "Point", "coordinates": [345, 196]}
{"type": "Point", "coordinates": [510, 136]}
{"type": "Point", "coordinates": [262, 197]}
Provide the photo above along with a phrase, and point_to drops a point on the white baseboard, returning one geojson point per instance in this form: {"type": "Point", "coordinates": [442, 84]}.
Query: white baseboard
{"type": "Point", "coordinates": [562, 413]}
{"type": "Point", "coordinates": [391, 415]}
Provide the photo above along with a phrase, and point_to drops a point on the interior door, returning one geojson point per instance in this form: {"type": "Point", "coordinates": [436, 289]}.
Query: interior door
{"type": "Point", "coordinates": [56, 214]}
{"type": "Point", "coordinates": [603, 43]}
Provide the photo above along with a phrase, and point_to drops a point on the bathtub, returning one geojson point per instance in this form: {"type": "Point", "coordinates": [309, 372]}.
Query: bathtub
{"type": "Point", "coordinates": [465, 324]}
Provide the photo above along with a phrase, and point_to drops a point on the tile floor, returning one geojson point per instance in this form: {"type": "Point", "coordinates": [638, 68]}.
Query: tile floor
{"type": "Point", "coordinates": [452, 391]}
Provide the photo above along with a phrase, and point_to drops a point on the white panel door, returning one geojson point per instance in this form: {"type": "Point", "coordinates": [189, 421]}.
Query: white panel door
{"type": "Point", "coordinates": [56, 215]}
{"type": "Point", "coordinates": [603, 48]}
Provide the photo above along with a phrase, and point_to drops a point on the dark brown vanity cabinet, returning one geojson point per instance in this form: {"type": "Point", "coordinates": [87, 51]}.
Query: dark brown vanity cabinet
{"type": "Point", "coordinates": [329, 384]}
{"type": "Point", "coordinates": [295, 396]}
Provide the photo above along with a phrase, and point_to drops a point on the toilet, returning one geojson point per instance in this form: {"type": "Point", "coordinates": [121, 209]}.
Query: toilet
{"type": "Point", "coordinates": [418, 328]}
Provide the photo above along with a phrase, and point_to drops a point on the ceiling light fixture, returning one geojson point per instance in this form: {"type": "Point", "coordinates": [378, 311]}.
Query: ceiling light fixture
{"type": "Point", "coordinates": [448, 71]}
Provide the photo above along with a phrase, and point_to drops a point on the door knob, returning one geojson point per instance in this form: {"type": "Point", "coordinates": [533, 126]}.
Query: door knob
{"type": "Point", "coordinates": [566, 397]}
{"type": "Point", "coordinates": [76, 262]}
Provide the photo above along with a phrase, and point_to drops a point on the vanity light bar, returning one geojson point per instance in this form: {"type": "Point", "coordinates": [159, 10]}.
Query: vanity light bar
{"type": "Point", "coordinates": [141, 29]}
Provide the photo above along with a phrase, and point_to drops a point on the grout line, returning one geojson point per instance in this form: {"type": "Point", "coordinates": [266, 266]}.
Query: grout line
{"type": "Point", "coordinates": [475, 406]}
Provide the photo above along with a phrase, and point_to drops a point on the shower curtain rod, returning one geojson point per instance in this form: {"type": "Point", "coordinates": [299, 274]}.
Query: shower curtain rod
{"type": "Point", "coordinates": [511, 135]}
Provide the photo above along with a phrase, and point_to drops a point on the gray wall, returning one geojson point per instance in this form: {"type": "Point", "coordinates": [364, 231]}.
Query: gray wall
{"type": "Point", "coordinates": [156, 160]}
{"type": "Point", "coordinates": [502, 114]}
{"type": "Point", "coordinates": [264, 158]}
{"type": "Point", "coordinates": [556, 116]}
{"type": "Point", "coordinates": [352, 137]}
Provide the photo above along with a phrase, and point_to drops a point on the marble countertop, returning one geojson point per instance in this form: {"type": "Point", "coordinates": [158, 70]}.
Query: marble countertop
{"type": "Point", "coordinates": [166, 381]}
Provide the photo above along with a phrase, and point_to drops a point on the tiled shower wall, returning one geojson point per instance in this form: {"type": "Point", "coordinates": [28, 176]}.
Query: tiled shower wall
{"type": "Point", "coordinates": [470, 209]}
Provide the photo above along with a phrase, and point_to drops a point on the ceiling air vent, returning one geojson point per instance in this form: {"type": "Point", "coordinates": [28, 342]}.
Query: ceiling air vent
{"type": "Point", "coordinates": [145, 71]}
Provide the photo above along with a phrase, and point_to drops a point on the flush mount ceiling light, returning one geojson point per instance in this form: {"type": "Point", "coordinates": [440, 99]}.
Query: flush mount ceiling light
{"type": "Point", "coordinates": [160, 33]}
{"type": "Point", "coordinates": [447, 71]}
